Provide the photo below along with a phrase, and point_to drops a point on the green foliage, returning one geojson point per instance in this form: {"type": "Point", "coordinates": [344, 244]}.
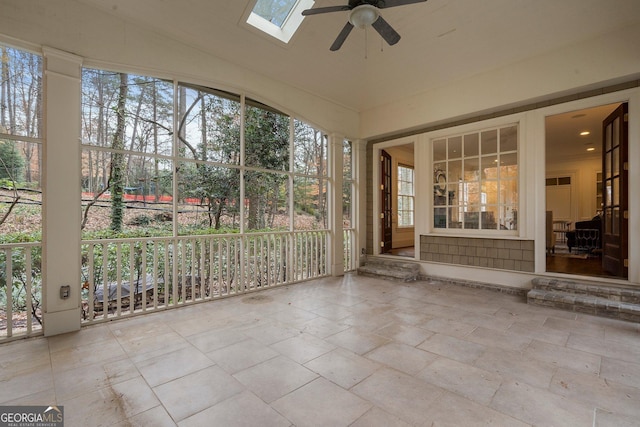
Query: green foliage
{"type": "Point", "coordinates": [196, 230]}
{"type": "Point", "coordinates": [7, 183]}
{"type": "Point", "coordinates": [266, 139]}
{"type": "Point", "coordinates": [121, 253]}
{"type": "Point", "coordinates": [11, 163]}
{"type": "Point", "coordinates": [141, 220]}
{"type": "Point", "coordinates": [27, 210]}
{"type": "Point", "coordinates": [19, 276]}
{"type": "Point", "coordinates": [136, 233]}
{"type": "Point", "coordinates": [21, 237]}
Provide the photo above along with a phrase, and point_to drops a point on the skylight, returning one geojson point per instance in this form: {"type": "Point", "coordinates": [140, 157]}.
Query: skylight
{"type": "Point", "coordinates": [278, 18]}
{"type": "Point", "coordinates": [274, 11]}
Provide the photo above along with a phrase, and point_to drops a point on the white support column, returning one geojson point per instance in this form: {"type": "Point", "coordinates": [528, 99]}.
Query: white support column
{"type": "Point", "coordinates": [61, 189]}
{"type": "Point", "coordinates": [336, 161]}
{"type": "Point", "coordinates": [359, 198]}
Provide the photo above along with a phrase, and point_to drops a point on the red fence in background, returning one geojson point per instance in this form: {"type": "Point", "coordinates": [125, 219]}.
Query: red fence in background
{"type": "Point", "coordinates": [141, 198]}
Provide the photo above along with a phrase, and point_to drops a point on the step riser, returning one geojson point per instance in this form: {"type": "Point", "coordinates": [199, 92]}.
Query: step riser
{"type": "Point", "coordinates": [617, 302]}
{"type": "Point", "coordinates": [387, 277]}
{"type": "Point", "coordinates": [392, 270]}
{"type": "Point", "coordinates": [614, 293]}
{"type": "Point", "coordinates": [403, 266]}
{"type": "Point", "coordinates": [632, 299]}
{"type": "Point", "coordinates": [610, 312]}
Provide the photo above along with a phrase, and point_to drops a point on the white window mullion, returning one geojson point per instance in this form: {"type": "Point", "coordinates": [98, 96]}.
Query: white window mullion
{"type": "Point", "coordinates": [241, 240]}
{"type": "Point", "coordinates": [175, 142]}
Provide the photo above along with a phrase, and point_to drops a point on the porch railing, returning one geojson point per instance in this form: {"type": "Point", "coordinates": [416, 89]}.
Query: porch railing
{"type": "Point", "coordinates": [123, 277]}
{"type": "Point", "coordinates": [349, 239]}
{"type": "Point", "coordinates": [20, 290]}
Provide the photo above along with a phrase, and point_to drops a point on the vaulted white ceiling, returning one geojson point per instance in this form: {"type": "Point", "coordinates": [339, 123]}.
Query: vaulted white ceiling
{"type": "Point", "coordinates": [442, 40]}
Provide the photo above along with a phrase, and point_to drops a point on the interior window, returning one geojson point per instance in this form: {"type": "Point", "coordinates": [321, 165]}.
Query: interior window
{"type": "Point", "coordinates": [475, 182]}
{"type": "Point", "coordinates": [405, 196]}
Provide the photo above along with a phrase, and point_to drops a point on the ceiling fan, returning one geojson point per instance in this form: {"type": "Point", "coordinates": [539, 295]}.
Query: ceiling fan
{"type": "Point", "coordinates": [364, 13]}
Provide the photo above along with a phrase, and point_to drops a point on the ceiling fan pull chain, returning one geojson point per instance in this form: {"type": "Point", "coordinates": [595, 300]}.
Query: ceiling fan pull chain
{"type": "Point", "coordinates": [366, 44]}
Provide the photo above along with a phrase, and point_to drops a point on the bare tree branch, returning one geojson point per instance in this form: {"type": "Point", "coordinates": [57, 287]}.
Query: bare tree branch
{"type": "Point", "coordinates": [15, 192]}
{"type": "Point", "coordinates": [96, 197]}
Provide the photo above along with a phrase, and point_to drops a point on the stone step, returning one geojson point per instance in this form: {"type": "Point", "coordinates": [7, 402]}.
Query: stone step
{"type": "Point", "coordinates": [599, 299]}
{"type": "Point", "coordinates": [583, 303]}
{"type": "Point", "coordinates": [390, 269]}
{"type": "Point", "coordinates": [611, 292]}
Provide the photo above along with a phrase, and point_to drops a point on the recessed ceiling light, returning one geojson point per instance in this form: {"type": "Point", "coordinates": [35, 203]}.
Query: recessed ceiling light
{"type": "Point", "coordinates": [585, 133]}
{"type": "Point", "coordinates": [591, 149]}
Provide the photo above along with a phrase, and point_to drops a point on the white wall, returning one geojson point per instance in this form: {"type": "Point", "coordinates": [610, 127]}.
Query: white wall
{"type": "Point", "coordinates": [583, 185]}
{"type": "Point", "coordinates": [610, 58]}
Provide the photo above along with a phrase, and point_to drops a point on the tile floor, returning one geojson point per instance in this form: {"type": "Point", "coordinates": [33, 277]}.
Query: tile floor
{"type": "Point", "coordinates": [349, 351]}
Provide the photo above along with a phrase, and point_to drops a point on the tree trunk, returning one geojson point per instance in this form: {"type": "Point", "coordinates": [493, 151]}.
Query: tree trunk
{"type": "Point", "coordinates": [253, 220]}
{"type": "Point", "coordinates": [218, 215]}
{"type": "Point", "coordinates": [4, 88]}
{"type": "Point", "coordinates": [134, 130]}
{"type": "Point", "coordinates": [156, 161]}
{"type": "Point", "coordinates": [117, 160]}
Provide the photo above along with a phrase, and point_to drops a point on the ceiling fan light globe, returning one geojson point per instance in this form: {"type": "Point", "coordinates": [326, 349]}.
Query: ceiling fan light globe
{"type": "Point", "coordinates": [363, 15]}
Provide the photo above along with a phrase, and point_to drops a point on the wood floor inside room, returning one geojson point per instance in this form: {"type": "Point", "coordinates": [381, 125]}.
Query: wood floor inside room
{"type": "Point", "coordinates": [561, 261]}
{"type": "Point", "coordinates": [586, 267]}
{"type": "Point", "coordinates": [408, 252]}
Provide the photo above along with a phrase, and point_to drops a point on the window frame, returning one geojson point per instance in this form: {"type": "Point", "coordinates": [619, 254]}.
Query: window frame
{"type": "Point", "coordinates": [478, 128]}
{"type": "Point", "coordinates": [25, 137]}
{"type": "Point", "coordinates": [286, 31]}
{"type": "Point", "coordinates": [348, 181]}
{"type": "Point", "coordinates": [288, 171]}
{"type": "Point", "coordinates": [412, 197]}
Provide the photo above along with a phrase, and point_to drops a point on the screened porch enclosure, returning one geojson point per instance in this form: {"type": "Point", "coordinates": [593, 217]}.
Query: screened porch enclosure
{"type": "Point", "coordinates": [187, 194]}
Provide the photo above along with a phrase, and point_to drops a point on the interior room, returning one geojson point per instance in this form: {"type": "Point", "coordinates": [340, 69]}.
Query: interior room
{"type": "Point", "coordinates": [320, 212]}
{"type": "Point", "coordinates": [401, 200]}
{"type": "Point", "coordinates": [574, 190]}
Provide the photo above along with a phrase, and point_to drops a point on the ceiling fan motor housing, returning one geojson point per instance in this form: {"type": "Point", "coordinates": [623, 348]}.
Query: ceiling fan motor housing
{"type": "Point", "coordinates": [363, 15]}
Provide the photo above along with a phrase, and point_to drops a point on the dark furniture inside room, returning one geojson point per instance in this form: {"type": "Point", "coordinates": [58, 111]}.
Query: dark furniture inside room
{"type": "Point", "coordinates": [587, 236]}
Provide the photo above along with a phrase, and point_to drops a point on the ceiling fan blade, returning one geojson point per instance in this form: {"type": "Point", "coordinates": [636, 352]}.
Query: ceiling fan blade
{"type": "Point", "coordinates": [337, 44]}
{"type": "Point", "coordinates": [383, 4]}
{"type": "Point", "coordinates": [386, 31]}
{"type": "Point", "coordinates": [320, 10]}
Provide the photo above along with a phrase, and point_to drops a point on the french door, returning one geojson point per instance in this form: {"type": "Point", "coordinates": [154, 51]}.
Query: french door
{"type": "Point", "coordinates": [386, 202]}
{"type": "Point", "coordinates": [615, 200]}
